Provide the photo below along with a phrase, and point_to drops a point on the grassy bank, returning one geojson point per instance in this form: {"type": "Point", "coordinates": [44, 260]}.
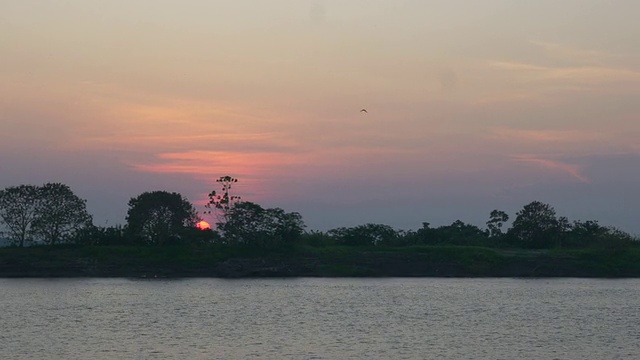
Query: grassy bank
{"type": "Point", "coordinates": [330, 261]}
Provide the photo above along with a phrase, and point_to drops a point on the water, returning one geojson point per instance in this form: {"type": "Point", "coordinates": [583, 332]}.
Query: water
{"type": "Point", "coordinates": [319, 319]}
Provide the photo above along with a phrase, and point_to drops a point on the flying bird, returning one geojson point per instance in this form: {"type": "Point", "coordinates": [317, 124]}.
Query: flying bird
{"type": "Point", "coordinates": [364, 111]}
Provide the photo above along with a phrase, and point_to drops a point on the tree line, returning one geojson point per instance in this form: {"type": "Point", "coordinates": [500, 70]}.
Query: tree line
{"type": "Point", "coordinates": [48, 214]}
{"type": "Point", "coordinates": [52, 214]}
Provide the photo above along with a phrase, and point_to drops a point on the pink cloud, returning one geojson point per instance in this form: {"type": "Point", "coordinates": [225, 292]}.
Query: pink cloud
{"type": "Point", "coordinates": [569, 53]}
{"type": "Point", "coordinates": [572, 169]}
{"type": "Point", "coordinates": [584, 75]}
{"type": "Point", "coordinates": [255, 169]}
{"type": "Point", "coordinates": [543, 136]}
{"type": "Point", "coordinates": [218, 162]}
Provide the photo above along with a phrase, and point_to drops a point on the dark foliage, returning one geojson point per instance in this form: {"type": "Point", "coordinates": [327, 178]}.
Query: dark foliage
{"type": "Point", "coordinates": [317, 239]}
{"type": "Point", "coordinates": [248, 223]}
{"type": "Point", "coordinates": [536, 226]}
{"type": "Point", "coordinates": [458, 233]}
{"type": "Point", "coordinates": [52, 214]}
{"type": "Point", "coordinates": [18, 211]}
{"type": "Point", "coordinates": [49, 214]}
{"type": "Point", "coordinates": [368, 234]}
{"type": "Point", "coordinates": [60, 214]}
{"type": "Point", "coordinates": [222, 202]}
{"type": "Point", "coordinates": [497, 218]}
{"type": "Point", "coordinates": [160, 217]}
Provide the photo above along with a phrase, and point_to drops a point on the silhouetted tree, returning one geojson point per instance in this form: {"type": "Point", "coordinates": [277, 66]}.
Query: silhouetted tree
{"type": "Point", "coordinates": [564, 227]}
{"type": "Point", "coordinates": [18, 205]}
{"type": "Point", "coordinates": [250, 224]}
{"type": "Point", "coordinates": [197, 236]}
{"type": "Point", "coordinates": [318, 238]}
{"type": "Point", "coordinates": [458, 233]}
{"type": "Point", "coordinates": [368, 234]}
{"type": "Point", "coordinates": [222, 202]}
{"type": "Point", "coordinates": [98, 235]}
{"type": "Point", "coordinates": [60, 213]}
{"type": "Point", "coordinates": [585, 233]}
{"type": "Point", "coordinates": [613, 241]}
{"type": "Point", "coordinates": [159, 216]}
{"type": "Point", "coordinates": [535, 226]}
{"type": "Point", "coordinates": [497, 218]}
{"type": "Point", "coordinates": [591, 234]}
{"type": "Point", "coordinates": [425, 235]}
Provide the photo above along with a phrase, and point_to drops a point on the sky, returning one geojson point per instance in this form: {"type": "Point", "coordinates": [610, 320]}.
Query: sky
{"type": "Point", "coordinates": [471, 105]}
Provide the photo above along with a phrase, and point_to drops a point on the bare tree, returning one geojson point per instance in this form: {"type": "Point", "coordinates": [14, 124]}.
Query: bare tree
{"type": "Point", "coordinates": [222, 203]}
{"type": "Point", "coordinates": [18, 211]}
{"type": "Point", "coordinates": [60, 213]}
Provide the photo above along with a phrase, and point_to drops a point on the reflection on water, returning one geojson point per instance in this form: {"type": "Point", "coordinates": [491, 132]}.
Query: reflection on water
{"type": "Point", "coordinates": [319, 319]}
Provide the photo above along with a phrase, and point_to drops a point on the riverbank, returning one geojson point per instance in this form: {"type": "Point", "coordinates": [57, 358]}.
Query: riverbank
{"type": "Point", "coordinates": [226, 262]}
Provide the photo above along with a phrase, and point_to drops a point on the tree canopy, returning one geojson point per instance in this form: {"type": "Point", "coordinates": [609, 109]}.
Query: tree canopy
{"type": "Point", "coordinates": [159, 216]}
{"type": "Point", "coordinates": [51, 213]}
{"type": "Point", "coordinates": [60, 213]}
{"type": "Point", "coordinates": [497, 218]}
{"type": "Point", "coordinates": [536, 225]}
{"type": "Point", "coordinates": [18, 211]}
{"type": "Point", "coordinates": [251, 224]}
{"type": "Point", "coordinates": [367, 234]}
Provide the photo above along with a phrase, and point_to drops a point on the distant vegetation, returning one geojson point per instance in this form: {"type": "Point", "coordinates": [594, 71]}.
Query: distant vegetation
{"type": "Point", "coordinates": [52, 216]}
{"type": "Point", "coordinates": [48, 214]}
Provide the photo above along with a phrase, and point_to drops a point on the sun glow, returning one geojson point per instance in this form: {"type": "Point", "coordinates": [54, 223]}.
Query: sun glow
{"type": "Point", "coordinates": [203, 225]}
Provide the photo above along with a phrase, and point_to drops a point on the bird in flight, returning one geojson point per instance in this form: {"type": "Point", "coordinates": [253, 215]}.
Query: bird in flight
{"type": "Point", "coordinates": [364, 111]}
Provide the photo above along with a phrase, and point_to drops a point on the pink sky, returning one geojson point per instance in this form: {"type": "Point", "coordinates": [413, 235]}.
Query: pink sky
{"type": "Point", "coordinates": [472, 106]}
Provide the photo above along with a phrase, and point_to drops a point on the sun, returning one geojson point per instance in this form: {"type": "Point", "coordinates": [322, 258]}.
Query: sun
{"type": "Point", "coordinates": [203, 225]}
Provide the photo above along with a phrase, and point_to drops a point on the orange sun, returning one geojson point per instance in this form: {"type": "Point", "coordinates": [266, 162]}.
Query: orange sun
{"type": "Point", "coordinates": [203, 225]}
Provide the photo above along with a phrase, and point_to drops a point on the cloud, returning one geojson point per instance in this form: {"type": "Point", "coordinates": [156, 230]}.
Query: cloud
{"type": "Point", "coordinates": [570, 69]}
{"type": "Point", "coordinates": [258, 171]}
{"type": "Point", "coordinates": [241, 143]}
{"type": "Point", "coordinates": [588, 75]}
{"type": "Point", "coordinates": [593, 75]}
{"type": "Point", "coordinates": [573, 170]}
{"type": "Point", "coordinates": [573, 54]}
{"type": "Point", "coordinates": [146, 123]}
{"type": "Point", "coordinates": [208, 163]}
{"type": "Point", "coordinates": [517, 66]}
{"type": "Point", "coordinates": [506, 97]}
{"type": "Point", "coordinates": [546, 136]}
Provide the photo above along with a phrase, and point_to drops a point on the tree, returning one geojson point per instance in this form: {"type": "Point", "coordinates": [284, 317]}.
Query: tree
{"type": "Point", "coordinates": [459, 233]}
{"type": "Point", "coordinates": [159, 216]}
{"type": "Point", "coordinates": [98, 235]}
{"type": "Point", "coordinates": [318, 238]}
{"type": "Point", "coordinates": [590, 233]}
{"type": "Point", "coordinates": [248, 223]}
{"type": "Point", "coordinates": [18, 205]}
{"type": "Point", "coordinates": [425, 235]}
{"type": "Point", "coordinates": [223, 202]}
{"type": "Point", "coordinates": [536, 225]}
{"type": "Point", "coordinates": [368, 234]}
{"type": "Point", "coordinates": [59, 214]}
{"type": "Point", "coordinates": [497, 218]}
{"type": "Point", "coordinates": [563, 230]}
{"type": "Point", "coordinates": [51, 213]}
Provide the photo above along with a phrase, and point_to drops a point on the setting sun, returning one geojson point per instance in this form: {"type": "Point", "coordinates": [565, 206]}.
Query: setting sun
{"type": "Point", "coordinates": [203, 225]}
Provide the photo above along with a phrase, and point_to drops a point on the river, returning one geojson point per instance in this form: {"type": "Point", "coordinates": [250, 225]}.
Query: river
{"type": "Point", "coordinates": [308, 318]}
